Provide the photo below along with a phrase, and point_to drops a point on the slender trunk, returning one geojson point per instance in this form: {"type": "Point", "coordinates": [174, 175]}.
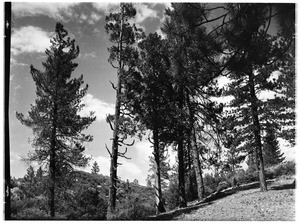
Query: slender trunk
{"type": "Point", "coordinates": [197, 164]}
{"type": "Point", "coordinates": [158, 193]}
{"type": "Point", "coordinates": [52, 163]}
{"type": "Point", "coordinates": [6, 87]}
{"type": "Point", "coordinates": [181, 180]}
{"type": "Point", "coordinates": [257, 136]}
{"type": "Point", "coordinates": [115, 143]}
{"type": "Point", "coordinates": [114, 152]}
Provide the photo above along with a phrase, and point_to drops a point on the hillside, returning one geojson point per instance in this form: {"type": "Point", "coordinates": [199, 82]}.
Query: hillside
{"type": "Point", "coordinates": [277, 204]}
{"type": "Point", "coordinates": [81, 196]}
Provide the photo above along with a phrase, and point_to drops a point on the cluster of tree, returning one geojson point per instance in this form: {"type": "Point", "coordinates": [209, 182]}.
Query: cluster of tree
{"type": "Point", "coordinates": [167, 86]}
{"type": "Point", "coordinates": [83, 197]}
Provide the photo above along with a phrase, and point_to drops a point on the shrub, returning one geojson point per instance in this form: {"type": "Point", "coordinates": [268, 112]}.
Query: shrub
{"type": "Point", "coordinates": [88, 204]}
{"type": "Point", "coordinates": [285, 168]}
{"type": "Point", "coordinates": [36, 207]}
{"type": "Point", "coordinates": [222, 185]}
{"type": "Point", "coordinates": [31, 214]}
{"type": "Point", "coordinates": [171, 195]}
{"type": "Point", "coordinates": [244, 177]}
{"type": "Point", "coordinates": [132, 209]}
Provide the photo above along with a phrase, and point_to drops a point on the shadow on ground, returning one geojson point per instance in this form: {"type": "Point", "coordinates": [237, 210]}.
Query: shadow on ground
{"type": "Point", "coordinates": [170, 215]}
{"type": "Point", "coordinates": [178, 212]}
{"type": "Point", "coordinates": [284, 186]}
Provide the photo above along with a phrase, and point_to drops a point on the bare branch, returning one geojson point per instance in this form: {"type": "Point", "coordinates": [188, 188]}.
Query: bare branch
{"type": "Point", "coordinates": [123, 153]}
{"type": "Point", "coordinates": [149, 139]}
{"type": "Point", "coordinates": [120, 155]}
{"type": "Point", "coordinates": [113, 86]}
{"type": "Point", "coordinates": [111, 62]}
{"type": "Point", "coordinates": [115, 187]}
{"type": "Point", "coordinates": [110, 124]}
{"type": "Point", "coordinates": [108, 151]}
{"type": "Point", "coordinates": [129, 144]}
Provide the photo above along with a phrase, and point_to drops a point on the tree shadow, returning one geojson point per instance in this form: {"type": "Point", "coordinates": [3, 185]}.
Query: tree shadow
{"type": "Point", "coordinates": [171, 215]}
{"type": "Point", "coordinates": [284, 186]}
{"type": "Point", "coordinates": [178, 212]}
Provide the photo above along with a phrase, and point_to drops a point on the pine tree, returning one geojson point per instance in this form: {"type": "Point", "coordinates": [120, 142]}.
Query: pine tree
{"type": "Point", "coordinates": [54, 118]}
{"type": "Point", "coordinates": [123, 57]}
{"type": "Point", "coordinates": [95, 168]}
{"type": "Point", "coordinates": [147, 93]}
{"type": "Point", "coordinates": [271, 150]}
{"type": "Point", "coordinates": [251, 66]}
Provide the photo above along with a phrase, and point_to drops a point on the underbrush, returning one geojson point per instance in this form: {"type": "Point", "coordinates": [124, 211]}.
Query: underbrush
{"type": "Point", "coordinates": [217, 183]}
{"type": "Point", "coordinates": [132, 208]}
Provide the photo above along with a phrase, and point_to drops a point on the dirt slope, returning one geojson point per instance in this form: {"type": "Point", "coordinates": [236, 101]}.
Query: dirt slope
{"type": "Point", "coordinates": [277, 204]}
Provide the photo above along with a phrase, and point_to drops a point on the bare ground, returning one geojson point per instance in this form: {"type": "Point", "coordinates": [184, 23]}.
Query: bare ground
{"type": "Point", "coordinates": [277, 204]}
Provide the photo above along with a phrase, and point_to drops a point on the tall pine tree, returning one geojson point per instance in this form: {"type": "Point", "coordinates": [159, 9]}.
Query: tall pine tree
{"type": "Point", "coordinates": [54, 118]}
{"type": "Point", "coordinates": [123, 57]}
{"type": "Point", "coordinates": [256, 52]}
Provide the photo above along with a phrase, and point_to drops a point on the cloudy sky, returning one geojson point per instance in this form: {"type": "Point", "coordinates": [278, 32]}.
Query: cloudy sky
{"type": "Point", "coordinates": [33, 25]}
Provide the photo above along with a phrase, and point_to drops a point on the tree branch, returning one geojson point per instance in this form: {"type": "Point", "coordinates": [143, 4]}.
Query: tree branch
{"type": "Point", "coordinates": [108, 151]}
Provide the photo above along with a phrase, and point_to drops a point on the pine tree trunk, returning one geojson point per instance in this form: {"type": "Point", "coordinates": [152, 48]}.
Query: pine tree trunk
{"type": "Point", "coordinates": [114, 152]}
{"type": "Point", "coordinates": [197, 164]}
{"type": "Point", "coordinates": [158, 193]}
{"type": "Point", "coordinates": [52, 163]}
{"type": "Point", "coordinates": [191, 190]}
{"type": "Point", "coordinates": [181, 179]}
{"type": "Point", "coordinates": [257, 136]}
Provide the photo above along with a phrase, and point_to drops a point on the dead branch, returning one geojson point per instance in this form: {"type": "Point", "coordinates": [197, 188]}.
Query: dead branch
{"type": "Point", "coordinates": [109, 121]}
{"type": "Point", "coordinates": [127, 144]}
{"type": "Point", "coordinates": [123, 153]}
{"type": "Point", "coordinates": [113, 86]}
{"type": "Point", "coordinates": [108, 151]}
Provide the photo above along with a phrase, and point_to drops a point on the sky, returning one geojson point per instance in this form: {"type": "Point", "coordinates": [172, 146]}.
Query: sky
{"type": "Point", "coordinates": [33, 25]}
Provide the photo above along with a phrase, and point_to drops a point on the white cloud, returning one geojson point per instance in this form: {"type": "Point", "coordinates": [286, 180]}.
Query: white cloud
{"type": "Point", "coordinates": [106, 7]}
{"type": "Point", "coordinates": [13, 61]}
{"type": "Point", "coordinates": [144, 12]}
{"type": "Point", "coordinates": [100, 107]}
{"type": "Point", "coordinates": [144, 151]}
{"type": "Point", "coordinates": [130, 171]}
{"type": "Point", "coordinates": [88, 55]}
{"type": "Point", "coordinates": [94, 17]}
{"type": "Point", "coordinates": [287, 149]}
{"type": "Point", "coordinates": [29, 39]}
{"type": "Point", "coordinates": [57, 10]}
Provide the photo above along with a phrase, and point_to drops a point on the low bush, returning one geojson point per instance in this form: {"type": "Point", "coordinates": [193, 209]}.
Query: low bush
{"type": "Point", "coordinates": [89, 205]}
{"type": "Point", "coordinates": [284, 168]}
{"type": "Point", "coordinates": [171, 195]}
{"type": "Point", "coordinates": [222, 185]}
{"type": "Point", "coordinates": [31, 214]}
{"type": "Point", "coordinates": [132, 208]}
{"type": "Point", "coordinates": [271, 172]}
